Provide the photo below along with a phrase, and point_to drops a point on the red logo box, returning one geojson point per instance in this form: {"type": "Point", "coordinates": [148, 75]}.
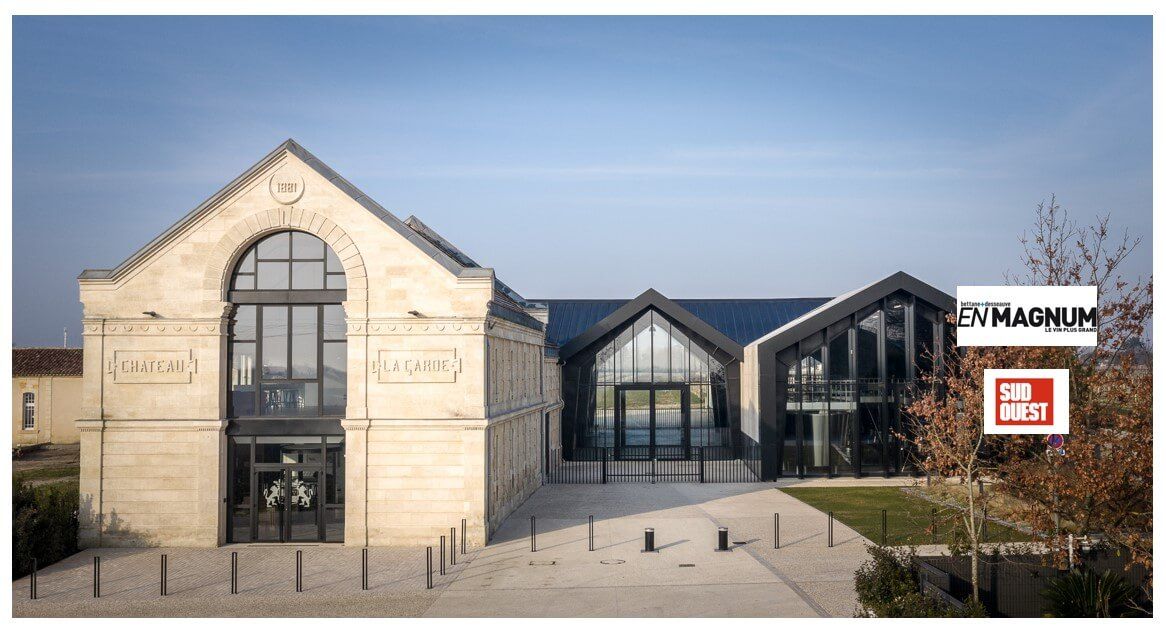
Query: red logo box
{"type": "Point", "coordinates": [1024, 402]}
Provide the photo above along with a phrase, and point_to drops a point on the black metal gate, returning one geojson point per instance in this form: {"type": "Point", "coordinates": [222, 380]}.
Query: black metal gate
{"type": "Point", "coordinates": [605, 465]}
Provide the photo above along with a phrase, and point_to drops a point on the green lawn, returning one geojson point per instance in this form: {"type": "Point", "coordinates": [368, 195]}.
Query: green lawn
{"type": "Point", "coordinates": [908, 517]}
{"type": "Point", "coordinates": [49, 473]}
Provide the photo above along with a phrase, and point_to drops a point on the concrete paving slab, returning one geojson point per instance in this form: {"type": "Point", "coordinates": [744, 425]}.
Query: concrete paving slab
{"type": "Point", "coordinates": [685, 577]}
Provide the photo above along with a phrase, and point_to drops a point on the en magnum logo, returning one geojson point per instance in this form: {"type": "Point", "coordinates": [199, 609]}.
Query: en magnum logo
{"type": "Point", "coordinates": [1071, 319]}
{"type": "Point", "coordinates": [1026, 316]}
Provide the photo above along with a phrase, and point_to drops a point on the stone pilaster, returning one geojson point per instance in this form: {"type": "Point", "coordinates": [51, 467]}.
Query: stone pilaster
{"type": "Point", "coordinates": [355, 482]}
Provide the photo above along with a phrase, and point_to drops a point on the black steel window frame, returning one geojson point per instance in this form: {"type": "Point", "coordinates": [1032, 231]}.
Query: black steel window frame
{"type": "Point", "coordinates": [257, 368]}
{"type": "Point", "coordinates": [893, 394]}
{"type": "Point", "coordinates": [248, 265]}
{"type": "Point", "coordinates": [28, 411]}
{"type": "Point", "coordinates": [289, 298]}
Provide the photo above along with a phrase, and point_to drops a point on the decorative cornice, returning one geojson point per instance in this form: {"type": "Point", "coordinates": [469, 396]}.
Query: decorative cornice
{"type": "Point", "coordinates": [154, 326]}
{"type": "Point", "coordinates": [417, 326]}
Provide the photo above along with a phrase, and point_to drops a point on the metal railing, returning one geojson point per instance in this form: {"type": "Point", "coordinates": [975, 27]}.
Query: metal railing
{"type": "Point", "coordinates": [610, 465]}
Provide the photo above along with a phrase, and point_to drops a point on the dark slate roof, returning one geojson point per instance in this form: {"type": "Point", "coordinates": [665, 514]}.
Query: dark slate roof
{"type": "Point", "coordinates": [502, 292]}
{"type": "Point", "coordinates": [42, 362]}
{"type": "Point", "coordinates": [742, 320]}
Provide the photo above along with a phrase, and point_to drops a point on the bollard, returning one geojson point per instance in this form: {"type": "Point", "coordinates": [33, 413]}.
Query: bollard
{"type": "Point", "coordinates": [234, 572]}
{"type": "Point", "coordinates": [463, 536]}
{"type": "Point", "coordinates": [884, 527]}
{"type": "Point", "coordinates": [591, 533]}
{"type": "Point", "coordinates": [452, 546]}
{"type": "Point", "coordinates": [364, 569]}
{"type": "Point", "coordinates": [299, 571]}
{"type": "Point", "coordinates": [649, 540]}
{"type": "Point", "coordinates": [722, 539]}
{"type": "Point", "coordinates": [830, 530]}
{"type": "Point", "coordinates": [442, 557]}
{"type": "Point", "coordinates": [32, 582]}
{"type": "Point", "coordinates": [429, 567]}
{"type": "Point", "coordinates": [97, 577]}
{"type": "Point", "coordinates": [162, 588]}
{"type": "Point", "coordinates": [776, 531]}
{"type": "Point", "coordinates": [533, 545]}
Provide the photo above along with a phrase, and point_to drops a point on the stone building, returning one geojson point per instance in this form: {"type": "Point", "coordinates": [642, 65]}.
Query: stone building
{"type": "Point", "coordinates": [292, 362]}
{"type": "Point", "coordinates": [46, 395]}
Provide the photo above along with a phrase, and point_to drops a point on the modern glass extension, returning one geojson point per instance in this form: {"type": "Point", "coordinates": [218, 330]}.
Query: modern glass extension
{"type": "Point", "coordinates": [287, 391]}
{"type": "Point", "coordinates": [847, 385]}
{"type": "Point", "coordinates": [652, 392]}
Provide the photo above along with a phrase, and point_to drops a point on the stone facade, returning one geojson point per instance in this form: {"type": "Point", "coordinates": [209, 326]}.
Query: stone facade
{"type": "Point", "coordinates": [422, 452]}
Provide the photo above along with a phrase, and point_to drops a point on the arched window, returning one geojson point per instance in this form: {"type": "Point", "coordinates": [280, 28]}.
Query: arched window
{"type": "Point", "coordinates": [287, 338]}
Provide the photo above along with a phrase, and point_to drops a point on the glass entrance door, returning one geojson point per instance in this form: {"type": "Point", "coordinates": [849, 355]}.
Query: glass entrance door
{"type": "Point", "coordinates": [286, 488]}
{"type": "Point", "coordinates": [652, 422]}
{"type": "Point", "coordinates": [289, 504]}
{"type": "Point", "coordinates": [670, 436]}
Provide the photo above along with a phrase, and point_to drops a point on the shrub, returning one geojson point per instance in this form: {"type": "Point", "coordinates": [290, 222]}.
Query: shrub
{"type": "Point", "coordinates": [44, 524]}
{"type": "Point", "coordinates": [1087, 594]}
{"type": "Point", "coordinates": [887, 585]}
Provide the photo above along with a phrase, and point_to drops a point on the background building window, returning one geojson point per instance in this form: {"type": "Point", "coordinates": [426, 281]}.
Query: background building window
{"type": "Point", "coordinates": [29, 420]}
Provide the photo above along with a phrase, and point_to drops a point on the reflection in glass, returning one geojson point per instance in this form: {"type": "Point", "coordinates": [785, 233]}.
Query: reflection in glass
{"type": "Point", "coordinates": [272, 275]}
{"type": "Point", "coordinates": [307, 275]}
{"type": "Point", "coordinates": [652, 350]}
{"type": "Point", "coordinates": [867, 347]}
{"type": "Point", "coordinates": [334, 323]}
{"type": "Point", "coordinates": [306, 246]}
{"type": "Point", "coordinates": [335, 378]}
{"type": "Point", "coordinates": [304, 342]}
{"type": "Point", "coordinates": [896, 339]}
{"type": "Point", "coordinates": [275, 334]}
{"type": "Point", "coordinates": [243, 378]}
{"type": "Point", "coordinates": [642, 343]}
{"type": "Point", "coordinates": [277, 246]}
{"type": "Point", "coordinates": [924, 342]}
{"type": "Point", "coordinates": [290, 399]}
{"type": "Point", "coordinates": [789, 455]}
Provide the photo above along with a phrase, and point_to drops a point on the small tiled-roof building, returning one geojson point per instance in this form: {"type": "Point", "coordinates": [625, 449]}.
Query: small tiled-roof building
{"type": "Point", "coordinates": [46, 395]}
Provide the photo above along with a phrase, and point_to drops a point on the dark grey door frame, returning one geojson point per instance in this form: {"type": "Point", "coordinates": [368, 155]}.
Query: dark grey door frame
{"type": "Point", "coordinates": [651, 388]}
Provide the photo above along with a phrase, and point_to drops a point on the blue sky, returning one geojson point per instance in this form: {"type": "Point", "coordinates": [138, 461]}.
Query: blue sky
{"type": "Point", "coordinates": [593, 157]}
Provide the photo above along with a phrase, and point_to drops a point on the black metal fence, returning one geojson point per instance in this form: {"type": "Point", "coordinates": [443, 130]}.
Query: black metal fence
{"type": "Point", "coordinates": [610, 465]}
{"type": "Point", "coordinates": [1010, 585]}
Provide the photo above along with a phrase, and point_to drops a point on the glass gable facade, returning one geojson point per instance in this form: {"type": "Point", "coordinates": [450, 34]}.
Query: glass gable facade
{"type": "Point", "coordinates": [651, 389]}
{"type": "Point", "coordinates": [846, 386]}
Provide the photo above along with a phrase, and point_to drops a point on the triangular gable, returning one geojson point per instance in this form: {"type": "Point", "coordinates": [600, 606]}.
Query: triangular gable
{"type": "Point", "coordinates": [314, 163]}
{"type": "Point", "coordinates": [848, 303]}
{"type": "Point", "coordinates": [651, 299]}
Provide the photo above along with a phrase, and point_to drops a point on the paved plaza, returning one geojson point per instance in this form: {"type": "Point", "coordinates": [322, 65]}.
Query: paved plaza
{"type": "Point", "coordinates": [686, 576]}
